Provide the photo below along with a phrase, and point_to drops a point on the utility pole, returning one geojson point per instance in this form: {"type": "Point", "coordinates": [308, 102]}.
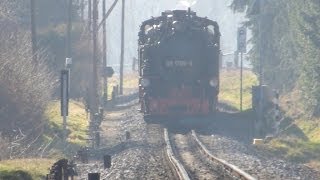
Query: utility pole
{"type": "Point", "coordinates": [89, 15]}
{"type": "Point", "coordinates": [69, 27]}
{"type": "Point", "coordinates": [95, 58]}
{"type": "Point", "coordinates": [241, 79]}
{"type": "Point", "coordinates": [82, 10]}
{"type": "Point", "coordinates": [89, 93]}
{"type": "Point", "coordinates": [261, 102]}
{"type": "Point", "coordinates": [122, 47]}
{"type": "Point", "coordinates": [33, 31]}
{"type": "Point", "coordinates": [106, 15]}
{"type": "Point", "coordinates": [104, 55]}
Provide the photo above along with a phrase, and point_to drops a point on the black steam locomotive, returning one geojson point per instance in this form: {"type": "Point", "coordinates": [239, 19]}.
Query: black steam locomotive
{"type": "Point", "coordinates": [178, 65]}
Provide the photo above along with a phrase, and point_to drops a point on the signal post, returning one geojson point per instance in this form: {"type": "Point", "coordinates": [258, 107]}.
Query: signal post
{"type": "Point", "coordinates": [242, 48]}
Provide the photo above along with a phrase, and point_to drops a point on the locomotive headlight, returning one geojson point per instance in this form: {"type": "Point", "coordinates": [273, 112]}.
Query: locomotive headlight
{"type": "Point", "coordinates": [213, 82]}
{"type": "Point", "coordinates": [145, 82]}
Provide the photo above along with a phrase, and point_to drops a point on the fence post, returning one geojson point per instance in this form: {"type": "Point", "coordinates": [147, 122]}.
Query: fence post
{"type": "Point", "coordinates": [113, 95]}
{"type": "Point", "coordinates": [117, 90]}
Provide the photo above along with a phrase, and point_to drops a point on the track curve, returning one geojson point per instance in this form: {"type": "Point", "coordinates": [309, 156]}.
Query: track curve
{"type": "Point", "coordinates": [234, 170]}
{"type": "Point", "coordinates": [191, 160]}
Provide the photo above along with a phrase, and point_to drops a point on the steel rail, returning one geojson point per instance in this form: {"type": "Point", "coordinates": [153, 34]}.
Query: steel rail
{"type": "Point", "coordinates": [229, 167]}
{"type": "Point", "coordinates": [181, 171]}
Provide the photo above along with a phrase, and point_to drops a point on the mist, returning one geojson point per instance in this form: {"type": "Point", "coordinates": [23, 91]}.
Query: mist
{"type": "Point", "coordinates": [139, 11]}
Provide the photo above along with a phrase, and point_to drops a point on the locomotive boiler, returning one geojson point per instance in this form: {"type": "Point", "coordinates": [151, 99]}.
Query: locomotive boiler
{"type": "Point", "coordinates": [178, 65]}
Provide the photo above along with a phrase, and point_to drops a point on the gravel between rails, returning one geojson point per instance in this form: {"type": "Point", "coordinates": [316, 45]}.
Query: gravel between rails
{"type": "Point", "coordinates": [141, 157]}
{"type": "Point", "coordinates": [197, 165]}
{"type": "Point", "coordinates": [254, 162]}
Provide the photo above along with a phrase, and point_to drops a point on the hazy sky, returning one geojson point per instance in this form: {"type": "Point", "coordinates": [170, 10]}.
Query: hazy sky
{"type": "Point", "coordinates": [140, 10]}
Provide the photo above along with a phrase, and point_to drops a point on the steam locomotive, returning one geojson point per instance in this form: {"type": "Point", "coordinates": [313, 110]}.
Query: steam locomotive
{"type": "Point", "coordinates": [178, 65]}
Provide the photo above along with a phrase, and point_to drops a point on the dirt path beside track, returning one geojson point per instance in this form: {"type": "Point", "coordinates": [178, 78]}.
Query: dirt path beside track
{"type": "Point", "coordinates": [140, 157]}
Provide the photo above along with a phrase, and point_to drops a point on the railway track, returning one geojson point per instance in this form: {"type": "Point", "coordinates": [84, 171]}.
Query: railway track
{"type": "Point", "coordinates": [156, 140]}
{"type": "Point", "coordinates": [191, 159]}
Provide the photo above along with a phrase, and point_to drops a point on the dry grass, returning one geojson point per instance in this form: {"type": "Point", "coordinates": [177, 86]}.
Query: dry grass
{"type": "Point", "coordinates": [33, 168]}
{"type": "Point", "coordinates": [130, 82]}
{"type": "Point", "coordinates": [230, 87]}
{"type": "Point", "coordinates": [77, 123]}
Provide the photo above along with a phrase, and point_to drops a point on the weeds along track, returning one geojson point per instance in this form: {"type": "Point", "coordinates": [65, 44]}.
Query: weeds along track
{"type": "Point", "coordinates": [191, 160]}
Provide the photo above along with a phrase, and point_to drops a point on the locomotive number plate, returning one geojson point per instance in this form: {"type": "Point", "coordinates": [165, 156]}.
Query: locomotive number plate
{"type": "Point", "coordinates": [178, 63]}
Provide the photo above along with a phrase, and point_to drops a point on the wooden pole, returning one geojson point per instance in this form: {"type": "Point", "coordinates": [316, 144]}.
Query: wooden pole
{"type": "Point", "coordinates": [90, 83]}
{"type": "Point", "coordinates": [89, 15]}
{"type": "Point", "coordinates": [122, 47]}
{"type": "Point", "coordinates": [261, 98]}
{"type": "Point", "coordinates": [241, 80]}
{"type": "Point", "coordinates": [33, 31]}
{"type": "Point", "coordinates": [82, 10]}
{"type": "Point", "coordinates": [95, 56]}
{"type": "Point", "coordinates": [69, 26]}
{"type": "Point", "coordinates": [104, 55]}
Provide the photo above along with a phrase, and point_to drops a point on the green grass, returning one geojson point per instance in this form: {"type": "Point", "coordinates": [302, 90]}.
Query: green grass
{"type": "Point", "coordinates": [295, 149]}
{"type": "Point", "coordinates": [77, 123]}
{"type": "Point", "coordinates": [30, 168]}
{"type": "Point", "coordinates": [230, 87]}
{"type": "Point", "coordinates": [311, 129]}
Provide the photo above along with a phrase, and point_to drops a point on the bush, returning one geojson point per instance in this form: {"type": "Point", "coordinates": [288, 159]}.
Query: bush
{"type": "Point", "coordinates": [25, 86]}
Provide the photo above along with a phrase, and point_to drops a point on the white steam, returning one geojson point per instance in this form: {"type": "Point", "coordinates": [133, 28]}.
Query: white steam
{"type": "Point", "coordinates": [185, 4]}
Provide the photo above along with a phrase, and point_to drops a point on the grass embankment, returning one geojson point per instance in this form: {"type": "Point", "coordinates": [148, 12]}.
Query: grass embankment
{"type": "Point", "coordinates": [77, 123]}
{"type": "Point", "coordinates": [230, 88]}
{"type": "Point", "coordinates": [77, 126]}
{"type": "Point", "coordinates": [25, 169]}
{"type": "Point", "coordinates": [300, 139]}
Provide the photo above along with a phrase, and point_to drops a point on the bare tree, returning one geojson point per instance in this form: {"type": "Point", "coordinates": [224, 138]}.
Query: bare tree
{"type": "Point", "coordinates": [25, 86]}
